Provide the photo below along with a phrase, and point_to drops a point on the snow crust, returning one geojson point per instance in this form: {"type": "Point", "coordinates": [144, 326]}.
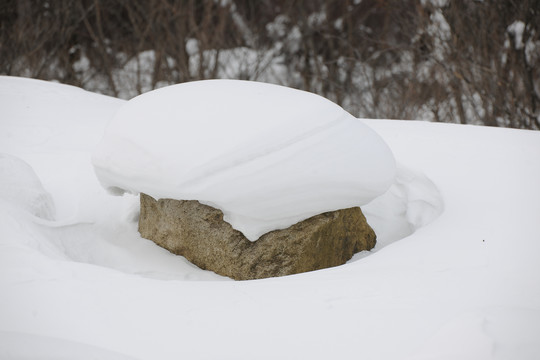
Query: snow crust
{"type": "Point", "coordinates": [455, 273]}
{"type": "Point", "coordinates": [268, 156]}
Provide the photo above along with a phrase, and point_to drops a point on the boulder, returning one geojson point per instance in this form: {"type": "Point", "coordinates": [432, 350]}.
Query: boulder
{"type": "Point", "coordinates": [199, 233]}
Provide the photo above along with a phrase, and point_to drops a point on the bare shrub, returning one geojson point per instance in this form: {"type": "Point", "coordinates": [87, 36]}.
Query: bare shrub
{"type": "Point", "coordinates": [471, 62]}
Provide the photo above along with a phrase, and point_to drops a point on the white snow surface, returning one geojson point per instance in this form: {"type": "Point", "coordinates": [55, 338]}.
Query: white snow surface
{"type": "Point", "coordinates": [20, 186]}
{"type": "Point", "coordinates": [455, 273]}
{"type": "Point", "coordinates": [268, 156]}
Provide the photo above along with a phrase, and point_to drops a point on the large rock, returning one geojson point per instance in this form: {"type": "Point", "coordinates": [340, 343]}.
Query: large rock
{"type": "Point", "coordinates": [198, 233]}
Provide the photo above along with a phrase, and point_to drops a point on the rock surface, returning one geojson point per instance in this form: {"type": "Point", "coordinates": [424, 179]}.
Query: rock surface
{"type": "Point", "coordinates": [198, 233]}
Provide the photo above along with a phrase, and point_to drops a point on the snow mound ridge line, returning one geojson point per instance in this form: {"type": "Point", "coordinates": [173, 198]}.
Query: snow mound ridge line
{"type": "Point", "coordinates": [224, 166]}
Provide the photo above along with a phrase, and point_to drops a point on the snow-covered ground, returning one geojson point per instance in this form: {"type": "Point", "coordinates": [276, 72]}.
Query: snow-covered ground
{"type": "Point", "coordinates": [455, 274]}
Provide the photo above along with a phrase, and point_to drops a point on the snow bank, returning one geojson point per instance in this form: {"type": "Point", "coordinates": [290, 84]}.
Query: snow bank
{"type": "Point", "coordinates": [464, 286]}
{"type": "Point", "coordinates": [267, 155]}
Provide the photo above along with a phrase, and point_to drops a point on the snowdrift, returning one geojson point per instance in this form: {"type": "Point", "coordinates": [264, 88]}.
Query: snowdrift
{"type": "Point", "coordinates": [455, 275]}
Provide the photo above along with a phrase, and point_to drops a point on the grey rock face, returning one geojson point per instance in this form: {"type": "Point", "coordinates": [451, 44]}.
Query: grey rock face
{"type": "Point", "coordinates": [198, 233]}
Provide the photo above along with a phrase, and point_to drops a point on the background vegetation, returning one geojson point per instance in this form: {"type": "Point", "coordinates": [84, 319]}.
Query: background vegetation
{"type": "Point", "coordinates": [471, 62]}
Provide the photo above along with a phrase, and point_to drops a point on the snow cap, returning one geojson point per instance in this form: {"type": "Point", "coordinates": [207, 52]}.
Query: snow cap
{"type": "Point", "coordinates": [268, 156]}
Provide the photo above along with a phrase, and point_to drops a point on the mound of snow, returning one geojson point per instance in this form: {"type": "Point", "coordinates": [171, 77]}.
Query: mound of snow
{"type": "Point", "coordinates": [20, 186]}
{"type": "Point", "coordinates": [266, 155]}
